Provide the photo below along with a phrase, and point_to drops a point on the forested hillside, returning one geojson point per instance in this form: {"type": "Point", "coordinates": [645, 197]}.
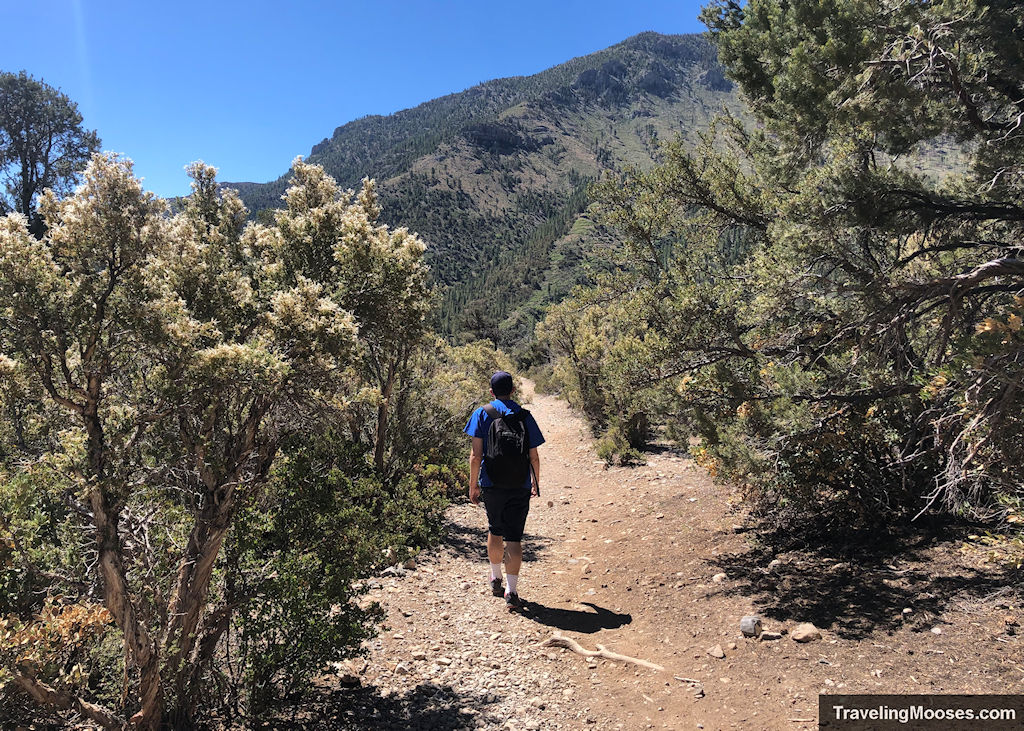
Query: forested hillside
{"type": "Point", "coordinates": [839, 324]}
{"type": "Point", "coordinates": [495, 178]}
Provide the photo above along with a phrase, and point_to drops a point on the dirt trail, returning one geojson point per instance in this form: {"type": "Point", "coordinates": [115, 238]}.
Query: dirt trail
{"type": "Point", "coordinates": [633, 559]}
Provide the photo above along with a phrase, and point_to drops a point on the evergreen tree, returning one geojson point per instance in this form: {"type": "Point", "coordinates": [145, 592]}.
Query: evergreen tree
{"type": "Point", "coordinates": [42, 144]}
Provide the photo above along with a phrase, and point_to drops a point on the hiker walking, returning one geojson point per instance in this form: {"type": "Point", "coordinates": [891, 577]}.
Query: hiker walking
{"type": "Point", "coordinates": [504, 472]}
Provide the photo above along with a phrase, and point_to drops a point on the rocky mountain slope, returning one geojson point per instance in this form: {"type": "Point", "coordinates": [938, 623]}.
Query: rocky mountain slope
{"type": "Point", "coordinates": [494, 178]}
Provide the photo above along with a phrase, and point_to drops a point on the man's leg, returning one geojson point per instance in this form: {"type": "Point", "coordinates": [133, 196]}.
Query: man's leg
{"type": "Point", "coordinates": [494, 553]}
{"type": "Point", "coordinates": [496, 549]}
{"type": "Point", "coordinates": [513, 561]}
{"type": "Point", "coordinates": [513, 557]}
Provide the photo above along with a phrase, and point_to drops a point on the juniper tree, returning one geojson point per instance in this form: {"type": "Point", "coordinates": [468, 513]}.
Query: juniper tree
{"type": "Point", "coordinates": [42, 143]}
{"type": "Point", "coordinates": [837, 284]}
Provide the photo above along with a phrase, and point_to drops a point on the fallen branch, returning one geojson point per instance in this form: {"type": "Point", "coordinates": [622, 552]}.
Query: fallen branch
{"type": "Point", "coordinates": [560, 640]}
{"type": "Point", "coordinates": [45, 695]}
{"type": "Point", "coordinates": [691, 681]}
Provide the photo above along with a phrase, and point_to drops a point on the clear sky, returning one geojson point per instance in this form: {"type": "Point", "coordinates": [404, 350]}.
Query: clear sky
{"type": "Point", "coordinates": [247, 86]}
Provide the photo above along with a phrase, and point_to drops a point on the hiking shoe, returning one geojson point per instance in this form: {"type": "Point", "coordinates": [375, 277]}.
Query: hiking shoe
{"type": "Point", "coordinates": [513, 602]}
{"type": "Point", "coordinates": [496, 587]}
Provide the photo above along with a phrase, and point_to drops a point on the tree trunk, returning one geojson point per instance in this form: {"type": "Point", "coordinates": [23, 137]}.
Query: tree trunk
{"type": "Point", "coordinates": [191, 591]}
{"type": "Point", "coordinates": [116, 596]}
{"type": "Point", "coordinates": [382, 417]}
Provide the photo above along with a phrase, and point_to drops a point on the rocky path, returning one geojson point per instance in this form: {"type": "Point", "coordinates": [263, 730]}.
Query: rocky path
{"type": "Point", "coordinates": [648, 562]}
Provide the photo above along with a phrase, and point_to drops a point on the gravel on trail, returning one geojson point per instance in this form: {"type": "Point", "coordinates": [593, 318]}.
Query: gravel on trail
{"type": "Point", "coordinates": [651, 562]}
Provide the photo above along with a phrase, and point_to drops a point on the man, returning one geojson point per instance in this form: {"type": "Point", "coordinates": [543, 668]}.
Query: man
{"type": "Point", "coordinates": [505, 495]}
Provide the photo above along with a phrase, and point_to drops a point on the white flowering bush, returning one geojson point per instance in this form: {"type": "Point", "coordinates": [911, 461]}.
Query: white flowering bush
{"type": "Point", "coordinates": [151, 368]}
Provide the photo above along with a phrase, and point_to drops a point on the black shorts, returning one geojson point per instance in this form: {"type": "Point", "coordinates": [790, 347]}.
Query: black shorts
{"type": "Point", "coordinates": [506, 511]}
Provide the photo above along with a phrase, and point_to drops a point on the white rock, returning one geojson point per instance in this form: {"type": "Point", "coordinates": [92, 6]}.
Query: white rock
{"type": "Point", "coordinates": [719, 578]}
{"type": "Point", "coordinates": [750, 626]}
{"type": "Point", "coordinates": [805, 632]}
{"type": "Point", "coordinates": [716, 651]}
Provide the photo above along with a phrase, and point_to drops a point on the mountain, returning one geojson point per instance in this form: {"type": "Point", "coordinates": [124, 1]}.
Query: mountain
{"type": "Point", "coordinates": [495, 178]}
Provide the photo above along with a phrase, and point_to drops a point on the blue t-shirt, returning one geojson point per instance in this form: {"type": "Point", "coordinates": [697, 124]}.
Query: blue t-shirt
{"type": "Point", "coordinates": [480, 422]}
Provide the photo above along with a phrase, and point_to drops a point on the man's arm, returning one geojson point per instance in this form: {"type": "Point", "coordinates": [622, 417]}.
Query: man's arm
{"type": "Point", "coordinates": [476, 455]}
{"type": "Point", "coordinates": [535, 463]}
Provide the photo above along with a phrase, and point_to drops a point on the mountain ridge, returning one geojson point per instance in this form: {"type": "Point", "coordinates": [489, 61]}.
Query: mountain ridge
{"type": "Point", "coordinates": [494, 177]}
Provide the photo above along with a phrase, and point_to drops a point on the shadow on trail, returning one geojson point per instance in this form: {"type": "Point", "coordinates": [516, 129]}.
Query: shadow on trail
{"type": "Point", "coordinates": [574, 620]}
{"type": "Point", "coordinates": [859, 587]}
{"type": "Point", "coordinates": [427, 706]}
{"type": "Point", "coordinates": [470, 542]}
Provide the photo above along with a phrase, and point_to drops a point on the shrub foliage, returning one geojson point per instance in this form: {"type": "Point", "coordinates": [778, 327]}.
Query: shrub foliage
{"type": "Point", "coordinates": [211, 429]}
{"type": "Point", "coordinates": [834, 312]}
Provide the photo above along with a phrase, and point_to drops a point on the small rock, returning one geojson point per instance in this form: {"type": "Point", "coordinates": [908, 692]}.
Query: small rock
{"type": "Point", "coordinates": [402, 669]}
{"type": "Point", "coordinates": [349, 679]}
{"type": "Point", "coordinates": [907, 610]}
{"type": "Point", "coordinates": [567, 693]}
{"type": "Point", "coordinates": [731, 646]}
{"type": "Point", "coordinates": [774, 564]}
{"type": "Point", "coordinates": [769, 636]}
{"type": "Point", "coordinates": [348, 672]}
{"type": "Point", "coordinates": [719, 578]}
{"type": "Point", "coordinates": [551, 503]}
{"type": "Point", "coordinates": [537, 702]}
{"type": "Point", "coordinates": [419, 655]}
{"type": "Point", "coordinates": [936, 630]}
{"type": "Point", "coordinates": [443, 661]}
{"type": "Point", "coordinates": [750, 626]}
{"type": "Point", "coordinates": [805, 632]}
{"type": "Point", "coordinates": [716, 651]}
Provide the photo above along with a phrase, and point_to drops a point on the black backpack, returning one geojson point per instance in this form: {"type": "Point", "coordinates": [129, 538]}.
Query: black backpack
{"type": "Point", "coordinates": [507, 456]}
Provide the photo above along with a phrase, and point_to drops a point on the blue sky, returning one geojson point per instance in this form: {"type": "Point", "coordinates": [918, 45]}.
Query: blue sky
{"type": "Point", "coordinates": [246, 86]}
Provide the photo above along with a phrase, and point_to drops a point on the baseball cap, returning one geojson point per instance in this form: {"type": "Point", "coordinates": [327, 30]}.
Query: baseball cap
{"type": "Point", "coordinates": [501, 383]}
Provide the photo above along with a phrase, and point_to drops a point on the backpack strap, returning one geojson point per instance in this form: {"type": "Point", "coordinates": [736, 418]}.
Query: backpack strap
{"type": "Point", "coordinates": [494, 414]}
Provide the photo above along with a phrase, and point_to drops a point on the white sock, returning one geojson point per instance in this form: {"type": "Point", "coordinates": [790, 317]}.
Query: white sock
{"type": "Point", "coordinates": [513, 581]}
{"type": "Point", "coordinates": [495, 571]}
